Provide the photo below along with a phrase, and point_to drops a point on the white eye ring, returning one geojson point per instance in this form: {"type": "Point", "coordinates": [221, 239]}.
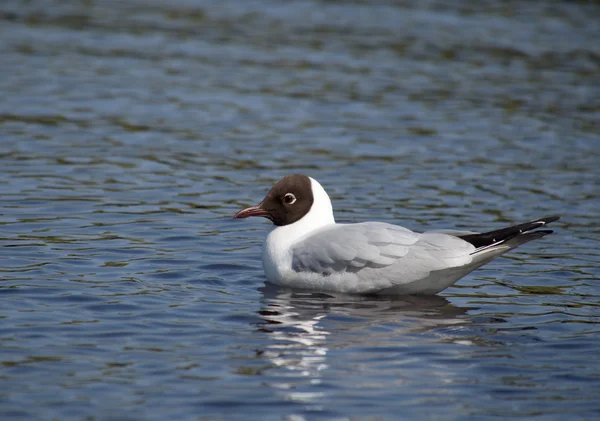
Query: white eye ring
{"type": "Point", "coordinates": [289, 199]}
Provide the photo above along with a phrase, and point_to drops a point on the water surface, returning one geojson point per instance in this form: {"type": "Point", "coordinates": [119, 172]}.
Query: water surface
{"type": "Point", "coordinates": [131, 131]}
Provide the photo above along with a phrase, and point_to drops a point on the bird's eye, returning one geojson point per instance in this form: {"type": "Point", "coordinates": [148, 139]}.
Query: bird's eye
{"type": "Point", "coordinates": [289, 198]}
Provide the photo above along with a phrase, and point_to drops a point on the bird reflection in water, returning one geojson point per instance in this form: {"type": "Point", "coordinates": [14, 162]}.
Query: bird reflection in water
{"type": "Point", "coordinates": [304, 327]}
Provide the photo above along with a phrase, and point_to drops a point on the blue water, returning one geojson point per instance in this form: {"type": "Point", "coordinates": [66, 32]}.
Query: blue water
{"type": "Point", "coordinates": [131, 132]}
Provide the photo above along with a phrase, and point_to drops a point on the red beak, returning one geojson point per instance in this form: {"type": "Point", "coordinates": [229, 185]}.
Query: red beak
{"type": "Point", "coordinates": [251, 211]}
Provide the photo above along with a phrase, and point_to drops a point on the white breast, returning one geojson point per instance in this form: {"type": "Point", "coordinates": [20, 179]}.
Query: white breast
{"type": "Point", "coordinates": [277, 259]}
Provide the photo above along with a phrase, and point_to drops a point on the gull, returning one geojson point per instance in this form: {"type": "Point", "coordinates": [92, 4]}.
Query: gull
{"type": "Point", "coordinates": [309, 250]}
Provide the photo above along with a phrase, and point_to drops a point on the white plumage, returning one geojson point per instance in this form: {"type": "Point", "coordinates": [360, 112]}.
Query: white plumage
{"type": "Point", "coordinates": [316, 253]}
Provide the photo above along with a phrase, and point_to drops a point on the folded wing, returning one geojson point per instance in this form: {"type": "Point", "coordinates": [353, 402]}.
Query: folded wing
{"type": "Point", "coordinates": [379, 250]}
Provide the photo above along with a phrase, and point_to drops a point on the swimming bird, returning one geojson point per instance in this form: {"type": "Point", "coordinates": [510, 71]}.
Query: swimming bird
{"type": "Point", "coordinates": [309, 250]}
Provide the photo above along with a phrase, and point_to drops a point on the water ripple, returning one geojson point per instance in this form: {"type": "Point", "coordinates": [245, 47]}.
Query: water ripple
{"type": "Point", "coordinates": [131, 132]}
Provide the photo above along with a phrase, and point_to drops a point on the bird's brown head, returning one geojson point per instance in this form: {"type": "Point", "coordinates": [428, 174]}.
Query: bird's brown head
{"type": "Point", "coordinates": [287, 201]}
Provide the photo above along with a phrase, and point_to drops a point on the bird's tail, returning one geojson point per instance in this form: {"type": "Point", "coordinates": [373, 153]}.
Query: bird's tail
{"type": "Point", "coordinates": [508, 238]}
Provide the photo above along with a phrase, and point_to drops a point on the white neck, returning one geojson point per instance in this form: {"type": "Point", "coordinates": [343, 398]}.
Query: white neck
{"type": "Point", "coordinates": [276, 250]}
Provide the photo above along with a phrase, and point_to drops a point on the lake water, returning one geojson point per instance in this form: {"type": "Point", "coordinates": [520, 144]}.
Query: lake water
{"type": "Point", "coordinates": [131, 132]}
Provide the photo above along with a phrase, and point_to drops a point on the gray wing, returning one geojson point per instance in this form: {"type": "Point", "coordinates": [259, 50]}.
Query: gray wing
{"type": "Point", "coordinates": [455, 233]}
{"type": "Point", "coordinates": [376, 249]}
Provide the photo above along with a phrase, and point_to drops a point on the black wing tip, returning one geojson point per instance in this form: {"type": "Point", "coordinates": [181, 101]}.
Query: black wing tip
{"type": "Point", "coordinates": [490, 238]}
{"type": "Point", "coordinates": [547, 219]}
